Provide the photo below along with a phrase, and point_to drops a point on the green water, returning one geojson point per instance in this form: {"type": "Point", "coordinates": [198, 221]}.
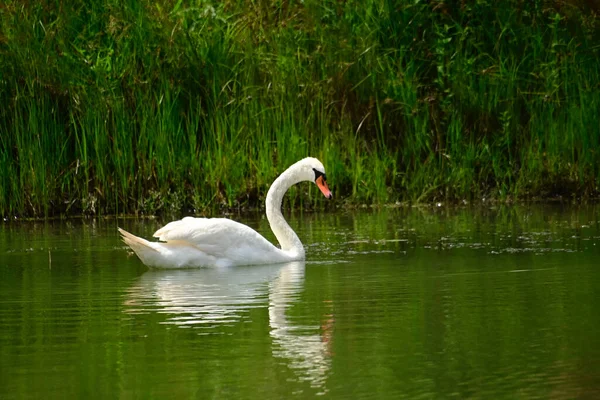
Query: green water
{"type": "Point", "coordinates": [432, 304]}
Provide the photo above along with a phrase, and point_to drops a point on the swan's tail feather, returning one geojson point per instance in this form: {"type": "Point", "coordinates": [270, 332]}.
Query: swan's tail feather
{"type": "Point", "coordinates": [173, 254]}
{"type": "Point", "coordinates": [140, 246]}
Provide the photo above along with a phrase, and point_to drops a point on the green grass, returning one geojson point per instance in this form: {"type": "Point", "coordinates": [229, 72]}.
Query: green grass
{"type": "Point", "coordinates": [180, 106]}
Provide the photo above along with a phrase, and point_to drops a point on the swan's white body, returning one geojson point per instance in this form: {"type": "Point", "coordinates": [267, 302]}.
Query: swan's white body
{"type": "Point", "coordinates": [221, 242]}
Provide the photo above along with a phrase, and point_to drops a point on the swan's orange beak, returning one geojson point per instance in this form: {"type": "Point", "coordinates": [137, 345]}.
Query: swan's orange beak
{"type": "Point", "coordinates": [322, 185]}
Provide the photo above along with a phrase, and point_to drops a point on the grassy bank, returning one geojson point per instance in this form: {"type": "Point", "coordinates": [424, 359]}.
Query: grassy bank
{"type": "Point", "coordinates": [148, 106]}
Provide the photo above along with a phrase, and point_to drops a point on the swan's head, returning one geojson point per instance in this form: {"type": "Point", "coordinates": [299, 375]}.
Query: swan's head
{"type": "Point", "coordinates": [311, 169]}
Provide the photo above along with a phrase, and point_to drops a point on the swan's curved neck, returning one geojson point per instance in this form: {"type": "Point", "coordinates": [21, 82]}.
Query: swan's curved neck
{"type": "Point", "coordinates": [287, 238]}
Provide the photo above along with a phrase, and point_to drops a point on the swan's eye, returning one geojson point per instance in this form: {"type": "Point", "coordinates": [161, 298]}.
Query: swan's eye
{"type": "Point", "coordinates": [318, 174]}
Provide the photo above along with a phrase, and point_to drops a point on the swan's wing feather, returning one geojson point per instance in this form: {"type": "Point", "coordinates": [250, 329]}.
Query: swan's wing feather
{"type": "Point", "coordinates": [216, 236]}
{"type": "Point", "coordinates": [195, 229]}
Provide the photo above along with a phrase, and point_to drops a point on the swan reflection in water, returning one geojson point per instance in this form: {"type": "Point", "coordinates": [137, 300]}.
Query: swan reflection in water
{"type": "Point", "coordinates": [214, 297]}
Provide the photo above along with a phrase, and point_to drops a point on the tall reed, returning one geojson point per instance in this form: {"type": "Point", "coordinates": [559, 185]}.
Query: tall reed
{"type": "Point", "coordinates": [153, 106]}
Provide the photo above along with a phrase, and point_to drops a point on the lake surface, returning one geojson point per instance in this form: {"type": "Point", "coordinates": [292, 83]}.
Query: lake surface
{"type": "Point", "coordinates": [484, 303]}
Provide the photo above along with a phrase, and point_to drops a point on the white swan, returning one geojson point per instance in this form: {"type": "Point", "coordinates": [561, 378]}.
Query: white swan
{"type": "Point", "coordinates": [221, 242]}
